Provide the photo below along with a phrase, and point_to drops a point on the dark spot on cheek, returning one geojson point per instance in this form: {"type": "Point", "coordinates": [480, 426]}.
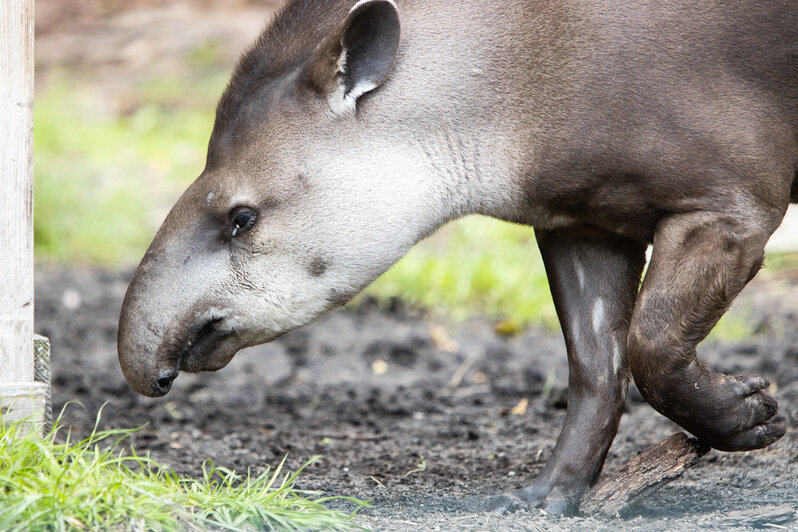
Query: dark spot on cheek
{"type": "Point", "coordinates": [302, 180]}
{"type": "Point", "coordinates": [338, 299]}
{"type": "Point", "coordinates": [317, 267]}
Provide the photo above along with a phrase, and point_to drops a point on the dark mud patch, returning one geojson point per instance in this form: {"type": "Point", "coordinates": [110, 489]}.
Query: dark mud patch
{"type": "Point", "coordinates": [416, 417]}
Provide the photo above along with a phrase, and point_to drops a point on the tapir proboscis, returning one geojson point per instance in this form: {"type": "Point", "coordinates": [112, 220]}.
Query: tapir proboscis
{"type": "Point", "coordinates": [350, 131]}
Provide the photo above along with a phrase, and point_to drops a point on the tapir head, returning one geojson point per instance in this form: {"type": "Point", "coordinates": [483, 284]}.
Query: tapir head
{"type": "Point", "coordinates": [302, 202]}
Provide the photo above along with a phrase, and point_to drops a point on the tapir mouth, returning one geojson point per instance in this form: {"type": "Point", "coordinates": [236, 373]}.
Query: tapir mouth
{"type": "Point", "coordinates": [200, 351]}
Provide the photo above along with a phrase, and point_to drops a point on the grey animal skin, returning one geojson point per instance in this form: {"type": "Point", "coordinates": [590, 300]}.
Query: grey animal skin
{"type": "Point", "coordinates": [349, 132]}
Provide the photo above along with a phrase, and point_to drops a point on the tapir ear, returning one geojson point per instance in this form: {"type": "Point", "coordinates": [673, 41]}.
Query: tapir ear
{"type": "Point", "coordinates": [357, 57]}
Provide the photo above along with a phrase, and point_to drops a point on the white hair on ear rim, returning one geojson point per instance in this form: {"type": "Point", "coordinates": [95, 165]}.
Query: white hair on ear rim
{"type": "Point", "coordinates": [361, 2]}
{"type": "Point", "coordinates": [341, 101]}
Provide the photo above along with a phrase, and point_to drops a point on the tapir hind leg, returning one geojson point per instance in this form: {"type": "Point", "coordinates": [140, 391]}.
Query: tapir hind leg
{"type": "Point", "coordinates": [700, 262]}
{"type": "Point", "coordinates": [594, 278]}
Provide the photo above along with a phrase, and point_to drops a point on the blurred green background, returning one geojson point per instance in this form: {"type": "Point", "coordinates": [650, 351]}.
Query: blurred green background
{"type": "Point", "coordinates": [117, 139]}
{"type": "Point", "coordinates": [103, 181]}
{"type": "Point", "coordinates": [116, 142]}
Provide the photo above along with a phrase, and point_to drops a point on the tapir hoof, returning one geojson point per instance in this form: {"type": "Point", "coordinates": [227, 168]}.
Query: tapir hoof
{"type": "Point", "coordinates": [553, 501]}
{"type": "Point", "coordinates": [728, 413]}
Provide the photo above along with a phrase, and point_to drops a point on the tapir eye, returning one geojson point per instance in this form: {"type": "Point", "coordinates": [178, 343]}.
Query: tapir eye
{"type": "Point", "coordinates": [243, 218]}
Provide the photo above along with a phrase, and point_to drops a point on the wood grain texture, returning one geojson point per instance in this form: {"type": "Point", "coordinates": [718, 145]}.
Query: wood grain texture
{"type": "Point", "coordinates": [42, 374]}
{"type": "Point", "coordinates": [16, 188]}
{"type": "Point", "coordinates": [23, 402]}
{"type": "Point", "coordinates": [640, 476]}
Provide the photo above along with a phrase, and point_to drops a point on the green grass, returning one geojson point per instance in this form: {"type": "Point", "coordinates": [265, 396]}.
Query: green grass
{"type": "Point", "coordinates": [95, 484]}
{"type": "Point", "coordinates": [474, 266]}
{"type": "Point", "coordinates": [734, 327]}
{"type": "Point", "coordinates": [103, 180]}
{"type": "Point", "coordinates": [780, 261]}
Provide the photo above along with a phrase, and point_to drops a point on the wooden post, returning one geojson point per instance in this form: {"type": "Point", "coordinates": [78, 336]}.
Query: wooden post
{"type": "Point", "coordinates": [20, 395]}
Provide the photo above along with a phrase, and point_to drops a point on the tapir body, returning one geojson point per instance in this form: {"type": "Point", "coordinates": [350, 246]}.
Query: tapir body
{"type": "Point", "coordinates": [351, 131]}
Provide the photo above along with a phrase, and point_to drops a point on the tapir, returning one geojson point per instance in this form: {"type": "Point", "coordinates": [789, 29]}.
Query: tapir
{"type": "Point", "coordinates": [351, 130]}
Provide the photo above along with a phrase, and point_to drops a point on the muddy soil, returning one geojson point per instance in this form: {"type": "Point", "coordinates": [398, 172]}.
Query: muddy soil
{"type": "Point", "coordinates": [423, 419]}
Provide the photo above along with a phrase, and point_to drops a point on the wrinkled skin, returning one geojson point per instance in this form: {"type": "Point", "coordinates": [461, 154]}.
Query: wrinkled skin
{"type": "Point", "coordinates": [350, 132]}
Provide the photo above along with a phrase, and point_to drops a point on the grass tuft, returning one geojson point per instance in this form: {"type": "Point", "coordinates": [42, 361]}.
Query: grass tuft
{"type": "Point", "coordinates": [96, 484]}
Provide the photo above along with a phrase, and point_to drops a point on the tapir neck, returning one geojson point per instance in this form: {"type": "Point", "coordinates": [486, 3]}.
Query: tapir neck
{"type": "Point", "coordinates": [459, 99]}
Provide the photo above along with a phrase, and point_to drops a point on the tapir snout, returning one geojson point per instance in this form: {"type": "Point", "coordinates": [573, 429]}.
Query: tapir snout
{"type": "Point", "coordinates": [166, 328]}
{"type": "Point", "coordinates": [607, 126]}
{"type": "Point", "coordinates": [291, 216]}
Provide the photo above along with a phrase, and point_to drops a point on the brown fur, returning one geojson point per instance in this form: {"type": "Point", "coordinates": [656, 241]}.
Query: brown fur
{"type": "Point", "coordinates": [606, 125]}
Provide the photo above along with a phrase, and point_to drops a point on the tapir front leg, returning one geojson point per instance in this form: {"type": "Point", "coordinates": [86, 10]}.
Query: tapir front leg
{"type": "Point", "coordinates": [701, 261]}
{"type": "Point", "coordinates": [594, 278]}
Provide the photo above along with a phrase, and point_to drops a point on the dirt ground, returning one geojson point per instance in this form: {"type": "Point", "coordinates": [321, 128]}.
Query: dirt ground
{"type": "Point", "coordinates": [422, 419]}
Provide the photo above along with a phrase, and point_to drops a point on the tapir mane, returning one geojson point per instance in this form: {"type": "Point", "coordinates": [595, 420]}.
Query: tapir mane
{"type": "Point", "coordinates": [285, 42]}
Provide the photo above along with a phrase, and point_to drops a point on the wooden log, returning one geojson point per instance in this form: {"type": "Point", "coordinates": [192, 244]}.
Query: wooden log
{"type": "Point", "coordinates": [642, 475]}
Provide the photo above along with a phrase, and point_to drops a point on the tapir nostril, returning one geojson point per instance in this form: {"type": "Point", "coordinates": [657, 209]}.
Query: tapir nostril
{"type": "Point", "coordinates": [164, 382]}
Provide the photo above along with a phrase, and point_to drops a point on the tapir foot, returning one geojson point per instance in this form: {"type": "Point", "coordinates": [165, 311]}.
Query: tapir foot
{"type": "Point", "coordinates": [551, 499]}
{"type": "Point", "coordinates": [700, 261]}
{"type": "Point", "coordinates": [728, 413]}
